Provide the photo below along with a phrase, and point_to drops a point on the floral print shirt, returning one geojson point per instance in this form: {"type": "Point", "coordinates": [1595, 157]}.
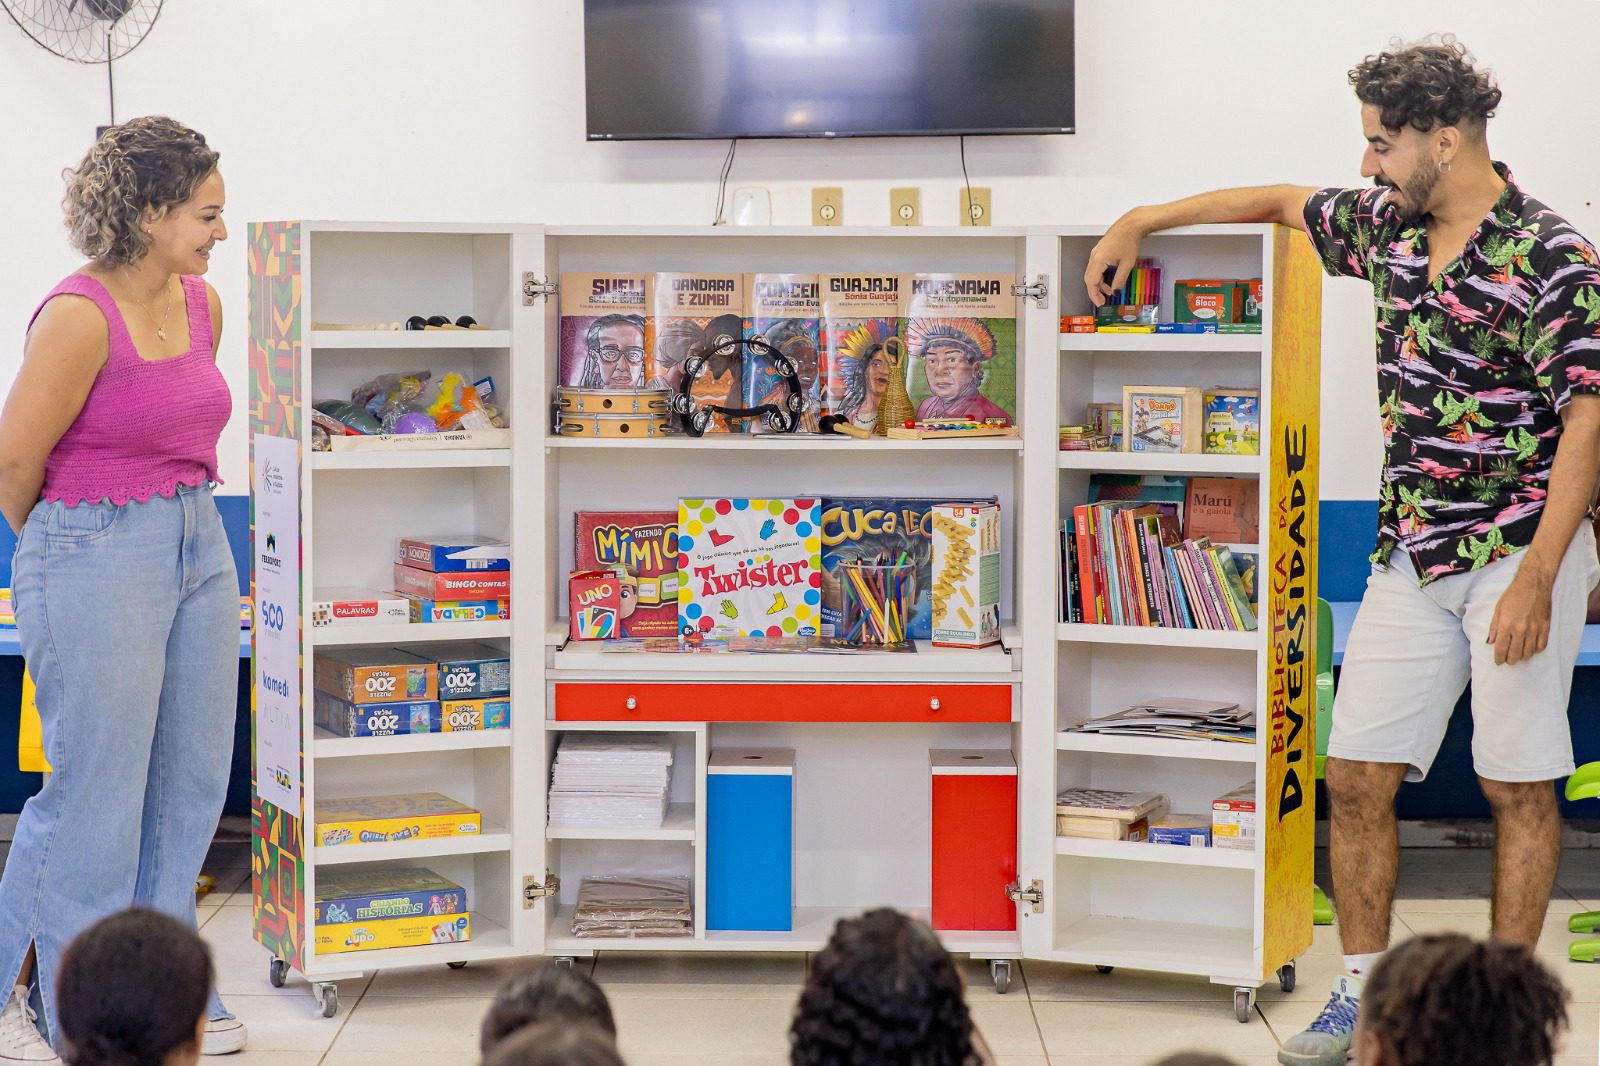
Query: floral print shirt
{"type": "Point", "coordinates": [1473, 367]}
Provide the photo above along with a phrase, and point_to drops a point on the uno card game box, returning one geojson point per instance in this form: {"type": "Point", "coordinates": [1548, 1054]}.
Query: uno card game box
{"type": "Point", "coordinates": [453, 553]}
{"type": "Point", "coordinates": [489, 712]}
{"type": "Point", "coordinates": [345, 895]}
{"type": "Point", "coordinates": [468, 671]}
{"type": "Point", "coordinates": [346, 606]}
{"type": "Point", "coordinates": [966, 574]}
{"type": "Point", "coordinates": [408, 816]}
{"type": "Point", "coordinates": [423, 610]}
{"type": "Point", "coordinates": [452, 584]}
{"type": "Point", "coordinates": [392, 933]}
{"type": "Point", "coordinates": [594, 604]}
{"type": "Point", "coordinates": [375, 675]}
{"type": "Point", "coordinates": [345, 719]}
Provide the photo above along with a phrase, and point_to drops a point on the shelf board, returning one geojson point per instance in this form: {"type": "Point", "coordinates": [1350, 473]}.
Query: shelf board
{"type": "Point", "coordinates": [411, 460]}
{"type": "Point", "coordinates": [491, 839]}
{"type": "Point", "coordinates": [326, 745]}
{"type": "Point", "coordinates": [813, 926]}
{"type": "Point", "coordinates": [1170, 854]}
{"type": "Point", "coordinates": [1163, 342]}
{"type": "Point", "coordinates": [784, 443]}
{"type": "Point", "coordinates": [489, 941]}
{"type": "Point", "coordinates": [406, 632]}
{"type": "Point", "coordinates": [825, 233]}
{"type": "Point", "coordinates": [1157, 747]}
{"type": "Point", "coordinates": [1159, 636]}
{"type": "Point", "coordinates": [1159, 463]}
{"type": "Point", "coordinates": [1172, 947]}
{"type": "Point", "coordinates": [679, 825]}
{"type": "Point", "coordinates": [410, 338]}
{"type": "Point", "coordinates": [585, 660]}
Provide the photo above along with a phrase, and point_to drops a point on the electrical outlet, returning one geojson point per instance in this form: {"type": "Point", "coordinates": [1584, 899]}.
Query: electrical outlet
{"type": "Point", "coordinates": [975, 209]}
{"type": "Point", "coordinates": [905, 207]}
{"type": "Point", "coordinates": [827, 206]}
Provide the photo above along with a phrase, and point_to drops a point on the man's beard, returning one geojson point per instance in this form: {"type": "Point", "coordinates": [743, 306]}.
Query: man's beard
{"type": "Point", "coordinates": [1417, 191]}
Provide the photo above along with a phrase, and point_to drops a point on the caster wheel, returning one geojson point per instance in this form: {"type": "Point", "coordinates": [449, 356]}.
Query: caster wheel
{"type": "Point", "coordinates": [564, 960]}
{"type": "Point", "coordinates": [277, 972]}
{"type": "Point", "coordinates": [1286, 977]}
{"type": "Point", "coordinates": [456, 965]}
{"type": "Point", "coordinates": [1000, 971]}
{"type": "Point", "coordinates": [1104, 969]}
{"type": "Point", "coordinates": [328, 996]}
{"type": "Point", "coordinates": [1244, 1001]}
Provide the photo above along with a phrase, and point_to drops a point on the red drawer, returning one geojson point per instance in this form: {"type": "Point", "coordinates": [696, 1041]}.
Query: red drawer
{"type": "Point", "coordinates": [606, 701]}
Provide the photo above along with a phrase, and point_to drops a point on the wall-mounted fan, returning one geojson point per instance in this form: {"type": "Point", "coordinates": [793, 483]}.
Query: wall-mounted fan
{"type": "Point", "coordinates": [86, 31]}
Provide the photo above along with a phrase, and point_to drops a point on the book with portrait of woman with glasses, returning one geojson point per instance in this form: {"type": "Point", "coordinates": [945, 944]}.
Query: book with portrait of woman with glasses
{"type": "Point", "coordinates": [603, 328]}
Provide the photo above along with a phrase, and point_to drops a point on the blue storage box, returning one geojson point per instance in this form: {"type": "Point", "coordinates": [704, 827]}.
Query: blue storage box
{"type": "Point", "coordinates": [750, 839]}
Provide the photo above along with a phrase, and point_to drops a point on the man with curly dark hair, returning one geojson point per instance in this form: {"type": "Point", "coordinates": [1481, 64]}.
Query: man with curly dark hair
{"type": "Point", "coordinates": [1488, 338]}
{"type": "Point", "coordinates": [884, 991]}
{"type": "Point", "coordinates": [1452, 999]}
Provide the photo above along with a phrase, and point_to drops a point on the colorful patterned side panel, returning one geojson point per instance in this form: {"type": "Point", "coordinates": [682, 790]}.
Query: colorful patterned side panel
{"type": "Point", "coordinates": [275, 328]}
{"type": "Point", "coordinates": [277, 841]}
{"type": "Point", "coordinates": [1289, 599]}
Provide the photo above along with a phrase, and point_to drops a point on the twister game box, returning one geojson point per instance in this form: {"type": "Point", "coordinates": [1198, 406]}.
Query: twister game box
{"type": "Point", "coordinates": [749, 567]}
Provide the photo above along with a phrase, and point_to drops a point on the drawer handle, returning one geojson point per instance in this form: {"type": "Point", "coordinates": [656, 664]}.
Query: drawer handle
{"type": "Point", "coordinates": [933, 704]}
{"type": "Point", "coordinates": [632, 704]}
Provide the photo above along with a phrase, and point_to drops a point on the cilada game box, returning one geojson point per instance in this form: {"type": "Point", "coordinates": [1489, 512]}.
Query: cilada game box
{"type": "Point", "coordinates": [887, 529]}
{"type": "Point", "coordinates": [345, 895]}
{"type": "Point", "coordinates": [749, 567]}
{"type": "Point", "coordinates": [785, 311]}
{"type": "Point", "coordinates": [645, 544]}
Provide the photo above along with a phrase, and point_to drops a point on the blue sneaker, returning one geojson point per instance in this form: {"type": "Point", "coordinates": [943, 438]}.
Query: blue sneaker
{"type": "Point", "coordinates": [1326, 1041]}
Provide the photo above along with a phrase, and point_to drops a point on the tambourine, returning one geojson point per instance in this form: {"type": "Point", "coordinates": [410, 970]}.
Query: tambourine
{"type": "Point", "coordinates": [780, 418]}
{"type": "Point", "coordinates": [575, 400]}
{"type": "Point", "coordinates": [611, 426]}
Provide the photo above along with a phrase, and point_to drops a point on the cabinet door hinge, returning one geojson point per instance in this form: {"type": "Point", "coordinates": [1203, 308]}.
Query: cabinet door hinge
{"type": "Point", "coordinates": [533, 288]}
{"type": "Point", "coordinates": [1039, 290]}
{"type": "Point", "coordinates": [1032, 895]}
{"type": "Point", "coordinates": [533, 890]}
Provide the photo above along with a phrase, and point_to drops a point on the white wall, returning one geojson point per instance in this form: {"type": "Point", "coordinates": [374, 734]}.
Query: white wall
{"type": "Point", "coordinates": [410, 109]}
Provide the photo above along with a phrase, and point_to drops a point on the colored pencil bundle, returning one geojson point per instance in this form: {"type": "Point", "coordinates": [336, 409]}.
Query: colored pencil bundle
{"type": "Point", "coordinates": [875, 609]}
{"type": "Point", "coordinates": [1143, 287]}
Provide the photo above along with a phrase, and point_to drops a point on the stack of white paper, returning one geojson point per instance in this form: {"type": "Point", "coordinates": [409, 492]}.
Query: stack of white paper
{"type": "Point", "coordinates": [610, 781]}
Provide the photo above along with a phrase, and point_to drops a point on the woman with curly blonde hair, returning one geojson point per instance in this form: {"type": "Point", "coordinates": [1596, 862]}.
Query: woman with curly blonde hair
{"type": "Point", "coordinates": [124, 586]}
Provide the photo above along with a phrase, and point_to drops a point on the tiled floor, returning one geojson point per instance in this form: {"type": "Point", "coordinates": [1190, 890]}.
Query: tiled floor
{"type": "Point", "coordinates": [736, 1010]}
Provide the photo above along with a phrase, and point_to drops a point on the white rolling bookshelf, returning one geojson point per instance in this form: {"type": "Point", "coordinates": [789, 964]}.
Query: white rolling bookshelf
{"type": "Point", "coordinates": [1123, 904]}
{"type": "Point", "coordinates": [861, 791]}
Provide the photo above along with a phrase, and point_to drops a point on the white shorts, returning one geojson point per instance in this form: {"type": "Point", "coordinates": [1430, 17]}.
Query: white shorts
{"type": "Point", "coordinates": [1412, 651]}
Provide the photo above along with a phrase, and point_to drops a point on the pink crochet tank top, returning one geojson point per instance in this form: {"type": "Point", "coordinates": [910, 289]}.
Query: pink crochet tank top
{"type": "Point", "coordinates": [146, 427]}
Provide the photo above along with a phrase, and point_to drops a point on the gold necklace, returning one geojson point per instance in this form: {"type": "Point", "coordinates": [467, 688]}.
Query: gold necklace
{"type": "Point", "coordinates": [161, 327]}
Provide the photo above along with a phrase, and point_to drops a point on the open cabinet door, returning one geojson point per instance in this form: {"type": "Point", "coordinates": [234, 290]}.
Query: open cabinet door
{"type": "Point", "coordinates": [534, 318]}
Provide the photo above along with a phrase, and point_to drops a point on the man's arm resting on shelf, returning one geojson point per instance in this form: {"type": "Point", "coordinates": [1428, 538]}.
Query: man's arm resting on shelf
{"type": "Point", "coordinates": [1119, 248]}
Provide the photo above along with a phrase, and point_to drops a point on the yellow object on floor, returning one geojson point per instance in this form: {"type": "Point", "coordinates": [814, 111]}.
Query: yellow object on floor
{"type": "Point", "coordinates": [30, 738]}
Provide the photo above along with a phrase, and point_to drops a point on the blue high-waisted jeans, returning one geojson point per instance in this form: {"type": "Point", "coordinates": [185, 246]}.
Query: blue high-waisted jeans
{"type": "Point", "coordinates": [129, 623]}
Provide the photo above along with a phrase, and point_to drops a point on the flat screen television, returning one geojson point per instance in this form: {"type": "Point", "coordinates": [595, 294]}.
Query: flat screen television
{"type": "Point", "coordinates": [717, 69]}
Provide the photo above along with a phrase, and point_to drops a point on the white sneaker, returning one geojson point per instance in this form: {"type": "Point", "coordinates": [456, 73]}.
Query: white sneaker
{"type": "Point", "coordinates": [224, 1036]}
{"type": "Point", "coordinates": [19, 1036]}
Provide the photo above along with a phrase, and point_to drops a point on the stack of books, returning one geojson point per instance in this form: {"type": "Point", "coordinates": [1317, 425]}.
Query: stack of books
{"type": "Point", "coordinates": [1176, 716]}
{"type": "Point", "coordinates": [610, 781]}
{"type": "Point", "coordinates": [1107, 813]}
